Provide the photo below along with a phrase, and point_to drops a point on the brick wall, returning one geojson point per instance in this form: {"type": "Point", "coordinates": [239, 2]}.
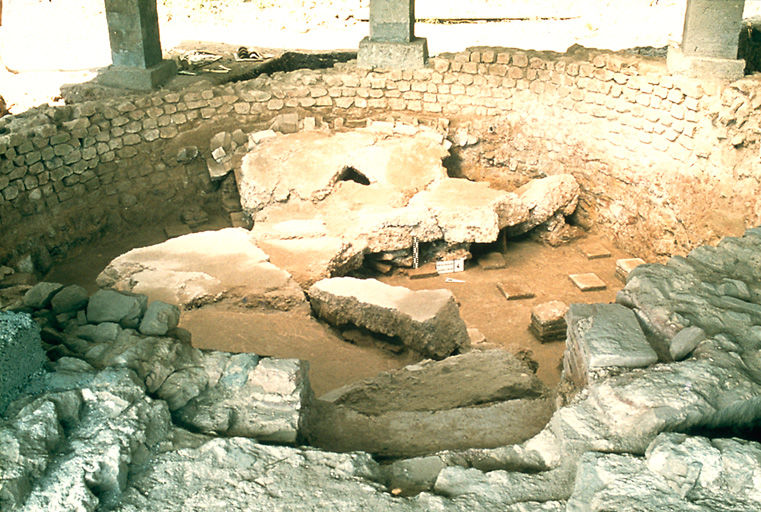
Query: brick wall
{"type": "Point", "coordinates": [666, 163]}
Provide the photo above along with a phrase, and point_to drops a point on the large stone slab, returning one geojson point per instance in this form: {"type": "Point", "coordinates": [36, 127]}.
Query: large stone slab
{"type": "Point", "coordinates": [480, 399]}
{"type": "Point", "coordinates": [426, 321]}
{"type": "Point", "coordinates": [201, 268]}
{"type": "Point", "coordinates": [604, 336]}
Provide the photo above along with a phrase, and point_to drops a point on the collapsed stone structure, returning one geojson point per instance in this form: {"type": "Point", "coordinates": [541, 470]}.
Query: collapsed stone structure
{"type": "Point", "coordinates": [105, 425]}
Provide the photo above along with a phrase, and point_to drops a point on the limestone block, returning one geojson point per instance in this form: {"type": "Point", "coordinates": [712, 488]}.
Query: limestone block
{"type": "Point", "coordinates": [426, 321]}
{"type": "Point", "coordinates": [263, 399]}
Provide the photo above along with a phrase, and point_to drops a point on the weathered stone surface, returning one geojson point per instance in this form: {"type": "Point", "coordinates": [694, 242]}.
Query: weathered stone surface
{"type": "Point", "coordinates": [488, 398]}
{"type": "Point", "coordinates": [544, 197]}
{"type": "Point", "coordinates": [264, 399]}
{"type": "Point", "coordinates": [206, 267]}
{"type": "Point", "coordinates": [40, 294]}
{"type": "Point", "coordinates": [678, 473]}
{"type": "Point", "coordinates": [307, 166]}
{"type": "Point", "coordinates": [69, 298]}
{"type": "Point", "coordinates": [111, 306]}
{"type": "Point", "coordinates": [459, 381]}
{"type": "Point", "coordinates": [159, 318]}
{"type": "Point", "coordinates": [21, 355]}
{"type": "Point", "coordinates": [603, 336]}
{"type": "Point", "coordinates": [427, 321]}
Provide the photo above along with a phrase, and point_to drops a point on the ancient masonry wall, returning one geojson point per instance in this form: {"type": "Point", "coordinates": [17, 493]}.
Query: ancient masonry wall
{"type": "Point", "coordinates": [666, 163]}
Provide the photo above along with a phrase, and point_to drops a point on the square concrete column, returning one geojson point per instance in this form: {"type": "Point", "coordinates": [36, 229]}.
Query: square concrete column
{"type": "Point", "coordinates": [709, 41]}
{"type": "Point", "coordinates": [133, 29]}
{"type": "Point", "coordinates": [392, 43]}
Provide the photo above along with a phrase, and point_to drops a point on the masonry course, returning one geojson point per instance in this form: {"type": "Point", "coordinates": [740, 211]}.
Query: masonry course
{"type": "Point", "coordinates": [607, 110]}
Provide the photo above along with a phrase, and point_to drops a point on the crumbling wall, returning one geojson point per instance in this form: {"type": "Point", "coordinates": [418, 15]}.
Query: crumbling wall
{"type": "Point", "coordinates": [665, 163]}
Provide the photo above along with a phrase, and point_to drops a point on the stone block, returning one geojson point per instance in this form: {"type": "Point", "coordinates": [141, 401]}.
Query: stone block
{"type": "Point", "coordinates": [711, 28]}
{"type": "Point", "coordinates": [426, 321]}
{"type": "Point", "coordinates": [696, 66]}
{"type": "Point", "coordinates": [159, 318]}
{"type": "Point", "coordinates": [39, 295]}
{"type": "Point", "coordinates": [548, 320]}
{"type": "Point", "coordinates": [392, 20]}
{"type": "Point", "coordinates": [144, 79]}
{"type": "Point", "coordinates": [112, 306]}
{"type": "Point", "coordinates": [514, 291]}
{"type": "Point", "coordinates": [588, 282]}
{"type": "Point", "coordinates": [603, 336]}
{"type": "Point", "coordinates": [392, 54]}
{"type": "Point", "coordinates": [69, 298]}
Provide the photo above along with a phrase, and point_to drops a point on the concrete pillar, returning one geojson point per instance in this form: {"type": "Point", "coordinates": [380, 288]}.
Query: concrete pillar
{"type": "Point", "coordinates": [392, 43]}
{"type": "Point", "coordinates": [133, 28]}
{"type": "Point", "coordinates": [709, 40]}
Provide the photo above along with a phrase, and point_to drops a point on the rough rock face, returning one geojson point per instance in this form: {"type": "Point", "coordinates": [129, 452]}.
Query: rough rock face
{"type": "Point", "coordinates": [372, 191]}
{"type": "Point", "coordinates": [481, 399]}
{"type": "Point", "coordinates": [201, 268]}
{"type": "Point", "coordinates": [678, 472]}
{"type": "Point", "coordinates": [263, 399]}
{"type": "Point", "coordinates": [21, 356]}
{"type": "Point", "coordinates": [426, 321]}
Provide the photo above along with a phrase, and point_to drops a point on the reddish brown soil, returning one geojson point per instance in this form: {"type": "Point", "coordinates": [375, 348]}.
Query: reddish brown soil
{"type": "Point", "coordinates": [334, 362]}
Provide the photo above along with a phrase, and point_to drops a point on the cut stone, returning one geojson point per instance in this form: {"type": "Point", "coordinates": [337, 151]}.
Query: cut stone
{"type": "Point", "coordinates": [514, 291]}
{"type": "Point", "coordinates": [202, 268]}
{"type": "Point", "coordinates": [548, 320]}
{"type": "Point", "coordinates": [602, 336]}
{"type": "Point", "coordinates": [588, 282]}
{"type": "Point", "coordinates": [625, 266]}
{"type": "Point", "coordinates": [69, 298]}
{"type": "Point", "coordinates": [492, 261]}
{"type": "Point", "coordinates": [426, 321]}
{"type": "Point", "coordinates": [595, 251]}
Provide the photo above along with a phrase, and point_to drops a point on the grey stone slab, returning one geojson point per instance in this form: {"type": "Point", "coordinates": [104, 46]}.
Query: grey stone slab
{"type": "Point", "coordinates": [711, 28]}
{"type": "Point", "coordinates": [112, 306]}
{"type": "Point", "coordinates": [143, 79]}
{"type": "Point", "coordinates": [40, 294]}
{"type": "Point", "coordinates": [133, 30]}
{"type": "Point", "coordinates": [607, 335]}
{"type": "Point", "coordinates": [68, 299]}
{"type": "Point", "coordinates": [159, 318]}
{"type": "Point", "coordinates": [392, 55]}
{"type": "Point", "coordinates": [392, 20]}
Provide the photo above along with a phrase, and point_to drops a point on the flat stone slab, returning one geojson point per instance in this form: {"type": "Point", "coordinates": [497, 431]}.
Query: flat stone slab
{"type": "Point", "coordinates": [595, 251]}
{"type": "Point", "coordinates": [625, 266]}
{"type": "Point", "coordinates": [202, 268]}
{"type": "Point", "coordinates": [423, 272]}
{"type": "Point", "coordinates": [588, 282]}
{"type": "Point", "coordinates": [426, 321]}
{"type": "Point", "coordinates": [492, 261]}
{"type": "Point", "coordinates": [514, 291]}
{"type": "Point", "coordinates": [602, 336]}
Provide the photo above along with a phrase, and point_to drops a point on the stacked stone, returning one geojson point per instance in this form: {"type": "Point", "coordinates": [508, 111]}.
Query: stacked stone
{"type": "Point", "coordinates": [58, 162]}
{"type": "Point", "coordinates": [548, 320]}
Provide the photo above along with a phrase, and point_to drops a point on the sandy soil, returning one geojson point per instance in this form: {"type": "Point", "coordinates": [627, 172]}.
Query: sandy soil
{"type": "Point", "coordinates": [67, 42]}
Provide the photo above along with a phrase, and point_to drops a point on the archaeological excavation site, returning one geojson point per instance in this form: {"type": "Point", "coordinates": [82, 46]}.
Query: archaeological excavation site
{"type": "Point", "coordinates": [389, 277]}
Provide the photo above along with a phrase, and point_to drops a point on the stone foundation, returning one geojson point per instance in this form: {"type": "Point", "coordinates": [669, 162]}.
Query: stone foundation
{"type": "Point", "coordinates": [665, 162]}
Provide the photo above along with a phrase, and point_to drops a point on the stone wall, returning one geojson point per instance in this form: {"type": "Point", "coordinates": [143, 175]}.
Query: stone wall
{"type": "Point", "coordinates": [665, 163]}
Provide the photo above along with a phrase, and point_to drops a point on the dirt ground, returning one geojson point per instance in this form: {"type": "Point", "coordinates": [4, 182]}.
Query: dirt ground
{"type": "Point", "coordinates": [335, 362]}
